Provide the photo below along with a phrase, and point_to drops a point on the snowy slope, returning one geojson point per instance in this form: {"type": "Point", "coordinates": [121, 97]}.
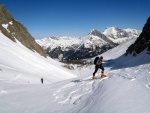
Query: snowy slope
{"type": "Point", "coordinates": [19, 64]}
{"type": "Point", "coordinates": [125, 90]}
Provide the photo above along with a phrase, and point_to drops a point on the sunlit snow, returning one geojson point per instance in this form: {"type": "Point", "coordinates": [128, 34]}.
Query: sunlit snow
{"type": "Point", "coordinates": [126, 89]}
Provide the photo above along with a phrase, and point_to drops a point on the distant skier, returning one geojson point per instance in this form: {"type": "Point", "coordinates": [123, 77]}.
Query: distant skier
{"type": "Point", "coordinates": [42, 80]}
{"type": "Point", "coordinates": [98, 64]}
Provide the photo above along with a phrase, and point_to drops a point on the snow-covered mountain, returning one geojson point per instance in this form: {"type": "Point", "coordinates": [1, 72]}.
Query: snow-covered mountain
{"type": "Point", "coordinates": [126, 89]}
{"type": "Point", "coordinates": [119, 36]}
{"type": "Point", "coordinates": [74, 48]}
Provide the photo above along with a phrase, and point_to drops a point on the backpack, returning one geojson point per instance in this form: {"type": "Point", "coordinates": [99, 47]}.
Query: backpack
{"type": "Point", "coordinates": [95, 60]}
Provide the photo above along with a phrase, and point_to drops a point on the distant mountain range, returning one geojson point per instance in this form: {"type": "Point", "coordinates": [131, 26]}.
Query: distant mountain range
{"type": "Point", "coordinates": [95, 43]}
{"type": "Point", "coordinates": [75, 48]}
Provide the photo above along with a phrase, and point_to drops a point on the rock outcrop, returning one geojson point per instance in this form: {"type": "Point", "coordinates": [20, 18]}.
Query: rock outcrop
{"type": "Point", "coordinates": [143, 41]}
{"type": "Point", "coordinates": [14, 30]}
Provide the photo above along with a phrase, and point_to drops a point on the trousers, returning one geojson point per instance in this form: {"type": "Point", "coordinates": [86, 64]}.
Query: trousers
{"type": "Point", "coordinates": [96, 69]}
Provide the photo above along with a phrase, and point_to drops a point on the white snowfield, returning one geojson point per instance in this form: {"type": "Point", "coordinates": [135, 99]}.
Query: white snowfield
{"type": "Point", "coordinates": [126, 89]}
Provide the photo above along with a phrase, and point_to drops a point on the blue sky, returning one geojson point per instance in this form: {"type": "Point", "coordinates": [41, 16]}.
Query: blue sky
{"type": "Point", "coordinates": [44, 18]}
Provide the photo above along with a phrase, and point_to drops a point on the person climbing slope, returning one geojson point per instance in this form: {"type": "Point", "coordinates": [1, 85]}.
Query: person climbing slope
{"type": "Point", "coordinates": [98, 64]}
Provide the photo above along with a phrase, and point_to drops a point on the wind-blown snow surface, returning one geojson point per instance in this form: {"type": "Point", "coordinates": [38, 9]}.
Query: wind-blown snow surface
{"type": "Point", "coordinates": [125, 90]}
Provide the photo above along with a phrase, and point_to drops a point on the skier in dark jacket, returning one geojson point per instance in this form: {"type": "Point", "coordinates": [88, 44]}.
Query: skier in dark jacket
{"type": "Point", "coordinates": [97, 66]}
{"type": "Point", "coordinates": [42, 80]}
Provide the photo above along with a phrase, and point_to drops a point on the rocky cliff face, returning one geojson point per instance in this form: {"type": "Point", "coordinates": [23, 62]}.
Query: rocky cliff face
{"type": "Point", "coordinates": [15, 30]}
{"type": "Point", "coordinates": [142, 42]}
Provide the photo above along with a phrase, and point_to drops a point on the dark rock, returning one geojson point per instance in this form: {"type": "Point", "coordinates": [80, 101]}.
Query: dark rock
{"type": "Point", "coordinates": [142, 42]}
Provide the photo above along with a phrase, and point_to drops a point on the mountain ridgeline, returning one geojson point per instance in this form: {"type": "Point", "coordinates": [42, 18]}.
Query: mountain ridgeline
{"type": "Point", "coordinates": [95, 43]}
{"type": "Point", "coordinates": [75, 48]}
{"type": "Point", "coordinates": [143, 41]}
{"type": "Point", "coordinates": [16, 31]}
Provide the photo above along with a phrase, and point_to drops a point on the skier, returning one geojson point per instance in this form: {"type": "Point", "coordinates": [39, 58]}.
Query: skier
{"type": "Point", "coordinates": [42, 80]}
{"type": "Point", "coordinates": [98, 64]}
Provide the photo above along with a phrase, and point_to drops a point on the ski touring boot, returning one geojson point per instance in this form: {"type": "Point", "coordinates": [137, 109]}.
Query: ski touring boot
{"type": "Point", "coordinates": [103, 75]}
{"type": "Point", "coordinates": [94, 77]}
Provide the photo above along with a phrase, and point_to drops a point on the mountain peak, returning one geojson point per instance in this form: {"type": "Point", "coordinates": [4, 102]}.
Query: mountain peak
{"type": "Point", "coordinates": [92, 30]}
{"type": "Point", "coordinates": [95, 32]}
{"type": "Point", "coordinates": [115, 32]}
